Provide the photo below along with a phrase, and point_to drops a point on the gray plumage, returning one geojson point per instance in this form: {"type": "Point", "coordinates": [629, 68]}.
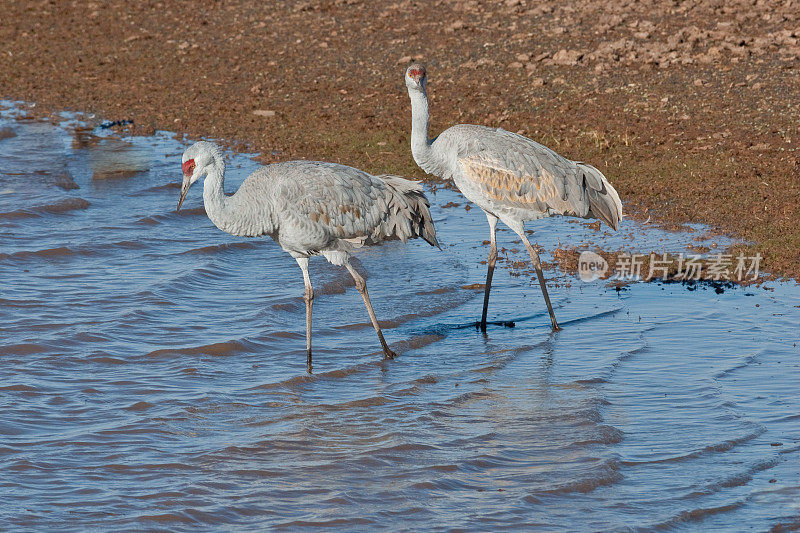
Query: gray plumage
{"type": "Point", "coordinates": [512, 178]}
{"type": "Point", "coordinates": [312, 208]}
{"type": "Point", "coordinates": [508, 174]}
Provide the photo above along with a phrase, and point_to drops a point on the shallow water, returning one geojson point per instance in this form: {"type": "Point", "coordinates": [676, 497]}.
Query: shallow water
{"type": "Point", "coordinates": [152, 372]}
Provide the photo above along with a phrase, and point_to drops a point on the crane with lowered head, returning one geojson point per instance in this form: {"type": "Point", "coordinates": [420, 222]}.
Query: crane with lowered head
{"type": "Point", "coordinates": [312, 208]}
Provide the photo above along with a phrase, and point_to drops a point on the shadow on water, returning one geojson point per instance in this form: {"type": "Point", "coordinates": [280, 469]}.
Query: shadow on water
{"type": "Point", "coordinates": [153, 371]}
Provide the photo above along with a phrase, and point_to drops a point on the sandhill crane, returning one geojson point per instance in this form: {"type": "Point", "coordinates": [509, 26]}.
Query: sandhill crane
{"type": "Point", "coordinates": [312, 208]}
{"type": "Point", "coordinates": [512, 178]}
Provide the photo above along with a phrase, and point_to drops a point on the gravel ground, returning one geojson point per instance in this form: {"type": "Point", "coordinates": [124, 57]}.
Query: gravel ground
{"type": "Point", "coordinates": [689, 107]}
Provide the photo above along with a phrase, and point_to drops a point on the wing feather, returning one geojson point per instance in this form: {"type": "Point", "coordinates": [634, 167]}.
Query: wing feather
{"type": "Point", "coordinates": [329, 206]}
{"type": "Point", "coordinates": [512, 171]}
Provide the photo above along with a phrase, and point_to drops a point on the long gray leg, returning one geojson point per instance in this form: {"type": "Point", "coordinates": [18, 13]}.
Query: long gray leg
{"type": "Point", "coordinates": [361, 285]}
{"type": "Point", "coordinates": [491, 262]}
{"type": "Point", "coordinates": [538, 266]}
{"type": "Point", "coordinates": [309, 298]}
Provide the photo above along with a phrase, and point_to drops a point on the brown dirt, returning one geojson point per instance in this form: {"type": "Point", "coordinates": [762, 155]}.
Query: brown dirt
{"type": "Point", "coordinates": [689, 107]}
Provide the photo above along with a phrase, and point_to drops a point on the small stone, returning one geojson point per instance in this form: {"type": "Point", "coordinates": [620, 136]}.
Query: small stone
{"type": "Point", "coordinates": [515, 65]}
{"type": "Point", "coordinates": [567, 57]}
{"type": "Point", "coordinates": [405, 59]}
{"type": "Point", "coordinates": [455, 26]}
{"type": "Point", "coordinates": [523, 57]}
{"type": "Point", "coordinates": [264, 113]}
{"type": "Point", "coordinates": [698, 82]}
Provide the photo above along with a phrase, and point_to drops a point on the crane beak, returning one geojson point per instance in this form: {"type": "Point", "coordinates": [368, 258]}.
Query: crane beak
{"type": "Point", "coordinates": [188, 171]}
{"type": "Point", "coordinates": [184, 189]}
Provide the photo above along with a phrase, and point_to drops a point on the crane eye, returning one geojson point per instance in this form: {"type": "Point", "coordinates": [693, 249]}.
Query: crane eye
{"type": "Point", "coordinates": [188, 167]}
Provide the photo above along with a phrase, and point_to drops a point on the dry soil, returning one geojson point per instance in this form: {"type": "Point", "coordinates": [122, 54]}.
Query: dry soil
{"type": "Point", "coordinates": [689, 107]}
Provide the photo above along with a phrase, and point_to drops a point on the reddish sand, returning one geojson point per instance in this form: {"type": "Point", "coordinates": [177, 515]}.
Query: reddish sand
{"type": "Point", "coordinates": [690, 109]}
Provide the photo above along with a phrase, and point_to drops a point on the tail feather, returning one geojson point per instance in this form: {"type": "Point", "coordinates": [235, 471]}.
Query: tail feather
{"type": "Point", "coordinates": [409, 211]}
{"type": "Point", "coordinates": [604, 202]}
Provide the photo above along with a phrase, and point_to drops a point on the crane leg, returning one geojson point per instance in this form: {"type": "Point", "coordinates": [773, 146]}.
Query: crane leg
{"type": "Point", "coordinates": [361, 285]}
{"type": "Point", "coordinates": [309, 299]}
{"type": "Point", "coordinates": [538, 266]}
{"type": "Point", "coordinates": [491, 262]}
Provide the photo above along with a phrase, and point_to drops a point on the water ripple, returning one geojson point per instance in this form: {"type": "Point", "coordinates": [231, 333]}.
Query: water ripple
{"type": "Point", "coordinates": [153, 372]}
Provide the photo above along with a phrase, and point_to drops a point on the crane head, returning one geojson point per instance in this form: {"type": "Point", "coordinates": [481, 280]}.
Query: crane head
{"type": "Point", "coordinates": [188, 167]}
{"type": "Point", "coordinates": [188, 171]}
{"type": "Point", "coordinates": [196, 162]}
{"type": "Point", "coordinates": [416, 77]}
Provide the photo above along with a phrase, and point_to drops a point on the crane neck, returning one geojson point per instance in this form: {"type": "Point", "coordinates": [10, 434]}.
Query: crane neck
{"type": "Point", "coordinates": [421, 145]}
{"type": "Point", "coordinates": [244, 215]}
{"type": "Point", "coordinates": [214, 198]}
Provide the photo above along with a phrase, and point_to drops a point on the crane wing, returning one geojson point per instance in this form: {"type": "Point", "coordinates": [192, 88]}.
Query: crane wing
{"type": "Point", "coordinates": [335, 200]}
{"type": "Point", "coordinates": [515, 171]}
{"type": "Point", "coordinates": [320, 204]}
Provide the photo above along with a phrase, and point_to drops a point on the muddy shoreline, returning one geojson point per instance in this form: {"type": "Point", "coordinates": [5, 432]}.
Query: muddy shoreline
{"type": "Point", "coordinates": [689, 110]}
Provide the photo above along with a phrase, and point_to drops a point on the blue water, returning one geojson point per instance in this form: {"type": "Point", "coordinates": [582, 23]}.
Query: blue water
{"type": "Point", "coordinates": [152, 371]}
